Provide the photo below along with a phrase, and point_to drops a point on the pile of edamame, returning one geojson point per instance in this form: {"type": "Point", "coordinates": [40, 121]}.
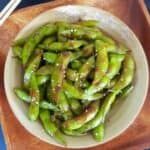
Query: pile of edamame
{"type": "Point", "coordinates": [73, 74]}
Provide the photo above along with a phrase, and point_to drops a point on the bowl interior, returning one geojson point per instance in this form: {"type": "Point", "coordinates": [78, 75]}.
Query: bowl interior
{"type": "Point", "coordinates": [122, 114]}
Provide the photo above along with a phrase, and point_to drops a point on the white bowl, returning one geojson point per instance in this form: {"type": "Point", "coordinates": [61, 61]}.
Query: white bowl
{"type": "Point", "coordinates": [123, 114]}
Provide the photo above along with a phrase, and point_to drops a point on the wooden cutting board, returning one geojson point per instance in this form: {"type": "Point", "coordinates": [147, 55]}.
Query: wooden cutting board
{"type": "Point", "coordinates": [137, 136]}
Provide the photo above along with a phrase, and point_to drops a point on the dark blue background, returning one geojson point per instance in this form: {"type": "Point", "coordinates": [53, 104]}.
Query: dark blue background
{"type": "Point", "coordinates": [25, 3]}
{"type": "Point", "coordinates": [148, 4]}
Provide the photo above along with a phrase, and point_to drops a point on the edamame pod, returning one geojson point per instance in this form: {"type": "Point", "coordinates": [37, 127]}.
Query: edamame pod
{"type": "Point", "coordinates": [127, 74]}
{"type": "Point", "coordinates": [72, 45]}
{"type": "Point", "coordinates": [113, 69]}
{"type": "Point", "coordinates": [72, 75]}
{"type": "Point", "coordinates": [24, 96]}
{"type": "Point", "coordinates": [76, 64]}
{"type": "Point", "coordinates": [35, 99]}
{"type": "Point", "coordinates": [101, 114]}
{"type": "Point", "coordinates": [48, 41]}
{"type": "Point", "coordinates": [125, 91]}
{"type": "Point", "coordinates": [42, 79]}
{"type": "Point", "coordinates": [50, 57]}
{"type": "Point", "coordinates": [72, 132]}
{"type": "Point", "coordinates": [101, 62]}
{"type": "Point", "coordinates": [76, 93]}
{"type": "Point", "coordinates": [58, 74]}
{"type": "Point", "coordinates": [75, 106]}
{"type": "Point", "coordinates": [45, 70]}
{"type": "Point", "coordinates": [98, 132]}
{"type": "Point", "coordinates": [51, 127]}
{"type": "Point", "coordinates": [31, 68]}
{"type": "Point", "coordinates": [19, 42]}
{"type": "Point", "coordinates": [89, 23]}
{"type": "Point", "coordinates": [83, 118]}
{"type": "Point", "coordinates": [17, 50]}
{"type": "Point", "coordinates": [85, 69]}
{"type": "Point", "coordinates": [34, 39]}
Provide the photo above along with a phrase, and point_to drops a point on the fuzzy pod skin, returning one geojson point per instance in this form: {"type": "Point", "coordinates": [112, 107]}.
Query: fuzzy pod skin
{"type": "Point", "coordinates": [45, 70]}
{"type": "Point", "coordinates": [25, 97]}
{"type": "Point", "coordinates": [127, 74]}
{"type": "Point", "coordinates": [50, 57]}
{"type": "Point", "coordinates": [35, 99]}
{"type": "Point", "coordinates": [89, 23]}
{"type": "Point", "coordinates": [31, 68]}
{"type": "Point", "coordinates": [101, 114]}
{"type": "Point", "coordinates": [98, 132]}
{"type": "Point", "coordinates": [101, 62]}
{"type": "Point", "coordinates": [34, 39]}
{"type": "Point", "coordinates": [58, 74]}
{"type": "Point", "coordinates": [50, 127]}
{"type": "Point", "coordinates": [83, 118]}
{"type": "Point", "coordinates": [115, 62]}
{"type": "Point", "coordinates": [71, 45]}
{"type": "Point", "coordinates": [75, 106]}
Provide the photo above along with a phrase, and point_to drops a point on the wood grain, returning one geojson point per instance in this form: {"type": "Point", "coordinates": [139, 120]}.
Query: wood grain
{"type": "Point", "coordinates": [137, 136]}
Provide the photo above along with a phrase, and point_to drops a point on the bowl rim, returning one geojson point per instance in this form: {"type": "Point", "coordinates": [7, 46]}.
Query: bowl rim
{"type": "Point", "coordinates": [144, 95]}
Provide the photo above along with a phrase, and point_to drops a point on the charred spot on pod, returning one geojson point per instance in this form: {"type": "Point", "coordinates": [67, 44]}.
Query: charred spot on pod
{"type": "Point", "coordinates": [65, 53]}
{"type": "Point", "coordinates": [57, 88]}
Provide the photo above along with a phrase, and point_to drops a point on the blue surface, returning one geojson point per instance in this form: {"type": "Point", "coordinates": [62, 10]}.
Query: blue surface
{"type": "Point", "coordinates": [3, 3]}
{"type": "Point", "coordinates": [2, 143]}
{"type": "Point", "coordinates": [147, 2]}
{"type": "Point", "coordinates": [24, 3]}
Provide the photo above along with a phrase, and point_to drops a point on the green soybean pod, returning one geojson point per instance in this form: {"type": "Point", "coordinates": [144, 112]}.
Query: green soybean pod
{"type": "Point", "coordinates": [48, 41]}
{"type": "Point", "coordinates": [45, 70]}
{"type": "Point", "coordinates": [54, 47]}
{"type": "Point", "coordinates": [75, 106]}
{"type": "Point", "coordinates": [107, 39]}
{"type": "Point", "coordinates": [98, 132]}
{"type": "Point", "coordinates": [74, 44]}
{"type": "Point", "coordinates": [71, 91]}
{"type": "Point", "coordinates": [72, 75]}
{"type": "Point", "coordinates": [112, 82]}
{"type": "Point", "coordinates": [101, 114]}
{"type": "Point", "coordinates": [50, 57]}
{"type": "Point", "coordinates": [72, 31]}
{"type": "Point", "coordinates": [124, 93]}
{"type": "Point", "coordinates": [88, 50]}
{"type": "Point", "coordinates": [34, 39]}
{"type": "Point", "coordinates": [42, 79]}
{"type": "Point", "coordinates": [89, 23]}
{"type": "Point", "coordinates": [85, 84]}
{"type": "Point", "coordinates": [62, 25]}
{"type": "Point", "coordinates": [101, 62]}
{"type": "Point", "coordinates": [17, 51]}
{"type": "Point", "coordinates": [35, 99]}
{"type": "Point", "coordinates": [50, 127]}
{"type": "Point", "coordinates": [127, 74]}
{"type": "Point", "coordinates": [72, 132]}
{"type": "Point", "coordinates": [115, 61]}
{"type": "Point", "coordinates": [22, 94]}
{"type": "Point", "coordinates": [58, 74]}
{"type": "Point", "coordinates": [86, 68]}
{"type": "Point", "coordinates": [76, 64]}
{"type": "Point", "coordinates": [31, 68]}
{"type": "Point", "coordinates": [87, 115]}
{"type": "Point", "coordinates": [91, 33]}
{"type": "Point", "coordinates": [25, 97]}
